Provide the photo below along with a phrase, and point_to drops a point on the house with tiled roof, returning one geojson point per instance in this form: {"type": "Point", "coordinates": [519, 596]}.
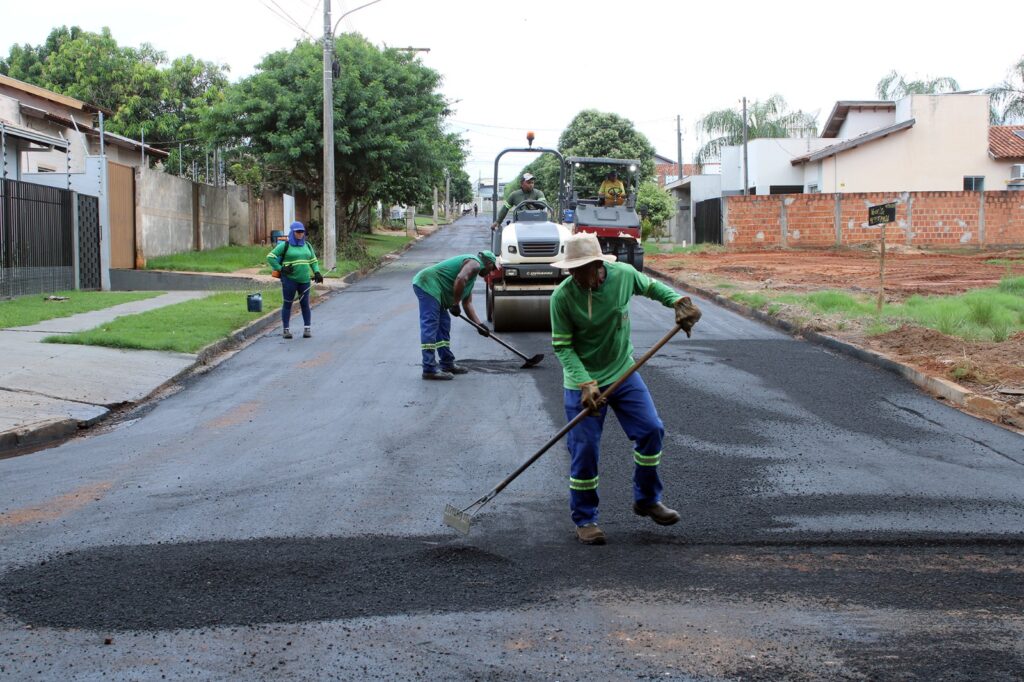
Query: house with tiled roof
{"type": "Point", "coordinates": [42, 131]}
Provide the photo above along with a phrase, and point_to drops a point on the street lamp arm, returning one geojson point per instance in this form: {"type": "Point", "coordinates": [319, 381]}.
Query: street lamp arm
{"type": "Point", "coordinates": [335, 29]}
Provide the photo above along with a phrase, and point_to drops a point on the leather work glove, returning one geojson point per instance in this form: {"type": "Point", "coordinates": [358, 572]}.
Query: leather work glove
{"type": "Point", "coordinates": [455, 310]}
{"type": "Point", "coordinates": [589, 394]}
{"type": "Point", "coordinates": [318, 278]}
{"type": "Point", "coordinates": [687, 314]}
{"type": "Point", "coordinates": [276, 274]}
{"type": "Point", "coordinates": [482, 329]}
{"type": "Point", "coordinates": [288, 270]}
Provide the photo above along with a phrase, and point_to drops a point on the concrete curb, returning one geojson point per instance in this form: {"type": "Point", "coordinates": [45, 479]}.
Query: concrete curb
{"type": "Point", "coordinates": [970, 402]}
{"type": "Point", "coordinates": [34, 436]}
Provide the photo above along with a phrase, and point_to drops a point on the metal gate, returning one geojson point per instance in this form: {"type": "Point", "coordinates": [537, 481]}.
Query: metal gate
{"type": "Point", "coordinates": [89, 242]}
{"type": "Point", "coordinates": [36, 239]}
{"type": "Point", "coordinates": [121, 194]}
{"type": "Point", "coordinates": [707, 222]}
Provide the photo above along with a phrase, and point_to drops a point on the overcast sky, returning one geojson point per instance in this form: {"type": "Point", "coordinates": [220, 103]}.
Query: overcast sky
{"type": "Point", "coordinates": [510, 67]}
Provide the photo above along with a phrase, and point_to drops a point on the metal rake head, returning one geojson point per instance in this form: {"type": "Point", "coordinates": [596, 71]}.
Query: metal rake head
{"type": "Point", "coordinates": [457, 518]}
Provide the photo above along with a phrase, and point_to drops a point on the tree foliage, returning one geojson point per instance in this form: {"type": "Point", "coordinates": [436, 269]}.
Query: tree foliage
{"type": "Point", "coordinates": [770, 118]}
{"type": "Point", "coordinates": [596, 134]}
{"type": "Point", "coordinates": [388, 114]}
{"type": "Point", "coordinates": [894, 86]}
{"type": "Point", "coordinates": [461, 190]}
{"type": "Point", "coordinates": [659, 207]}
{"type": "Point", "coordinates": [137, 85]}
{"type": "Point", "coordinates": [1007, 98]}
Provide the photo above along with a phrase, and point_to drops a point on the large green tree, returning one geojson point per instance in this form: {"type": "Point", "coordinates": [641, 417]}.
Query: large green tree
{"type": "Point", "coordinates": [895, 86]}
{"type": "Point", "coordinates": [770, 118]}
{"type": "Point", "coordinates": [1008, 97]}
{"type": "Point", "coordinates": [389, 142]}
{"type": "Point", "coordinates": [595, 134]}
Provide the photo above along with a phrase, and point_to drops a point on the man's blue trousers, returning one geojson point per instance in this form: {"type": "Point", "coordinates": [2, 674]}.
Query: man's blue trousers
{"type": "Point", "coordinates": [435, 332]}
{"type": "Point", "coordinates": [639, 419]}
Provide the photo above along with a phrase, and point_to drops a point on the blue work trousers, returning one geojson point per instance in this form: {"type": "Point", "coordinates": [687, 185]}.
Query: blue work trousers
{"type": "Point", "coordinates": [289, 290]}
{"type": "Point", "coordinates": [639, 419]}
{"type": "Point", "coordinates": [435, 332]}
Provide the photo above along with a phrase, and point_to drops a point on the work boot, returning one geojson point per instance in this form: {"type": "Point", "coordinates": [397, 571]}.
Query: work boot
{"type": "Point", "coordinates": [659, 513]}
{"type": "Point", "coordinates": [287, 333]}
{"type": "Point", "coordinates": [456, 369]}
{"type": "Point", "coordinates": [590, 534]}
{"type": "Point", "coordinates": [307, 333]}
{"type": "Point", "coordinates": [437, 376]}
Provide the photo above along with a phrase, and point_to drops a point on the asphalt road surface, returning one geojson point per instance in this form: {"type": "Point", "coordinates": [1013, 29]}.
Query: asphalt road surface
{"type": "Point", "coordinates": [280, 517]}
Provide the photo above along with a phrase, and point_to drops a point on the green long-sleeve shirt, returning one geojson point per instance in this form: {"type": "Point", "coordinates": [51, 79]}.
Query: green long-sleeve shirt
{"type": "Point", "coordinates": [302, 259]}
{"type": "Point", "coordinates": [439, 280]}
{"type": "Point", "coordinates": [590, 331]}
{"type": "Point", "coordinates": [518, 197]}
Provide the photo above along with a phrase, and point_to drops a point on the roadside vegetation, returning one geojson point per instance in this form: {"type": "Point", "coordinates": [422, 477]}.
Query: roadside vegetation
{"type": "Point", "coordinates": [184, 327]}
{"type": "Point", "coordinates": [992, 314]}
{"type": "Point", "coordinates": [365, 253]}
{"type": "Point", "coordinates": [692, 249]}
{"type": "Point", "coordinates": [27, 310]}
{"type": "Point", "coordinates": [224, 259]}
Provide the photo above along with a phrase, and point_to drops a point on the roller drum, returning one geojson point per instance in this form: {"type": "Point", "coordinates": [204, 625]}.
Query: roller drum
{"type": "Point", "coordinates": [521, 313]}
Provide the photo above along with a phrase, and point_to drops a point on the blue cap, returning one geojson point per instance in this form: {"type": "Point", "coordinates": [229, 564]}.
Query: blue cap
{"type": "Point", "coordinates": [296, 226]}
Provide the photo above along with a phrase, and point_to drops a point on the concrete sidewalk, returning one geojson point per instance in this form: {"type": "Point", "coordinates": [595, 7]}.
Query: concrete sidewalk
{"type": "Point", "coordinates": [50, 390]}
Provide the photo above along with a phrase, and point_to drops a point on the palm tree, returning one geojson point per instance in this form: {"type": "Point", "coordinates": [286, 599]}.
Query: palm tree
{"type": "Point", "coordinates": [764, 119]}
{"type": "Point", "coordinates": [894, 86]}
{"type": "Point", "coordinates": [1007, 98]}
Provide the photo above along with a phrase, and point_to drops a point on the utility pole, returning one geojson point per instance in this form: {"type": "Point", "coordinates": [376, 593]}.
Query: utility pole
{"type": "Point", "coordinates": [330, 217]}
{"type": "Point", "coordinates": [330, 224]}
{"type": "Point", "coordinates": [447, 193]}
{"type": "Point", "coordinates": [679, 143]}
{"type": "Point", "coordinates": [746, 182]}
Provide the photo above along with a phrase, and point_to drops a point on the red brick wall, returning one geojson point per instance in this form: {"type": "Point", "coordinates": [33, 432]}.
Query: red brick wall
{"type": "Point", "coordinates": [922, 219]}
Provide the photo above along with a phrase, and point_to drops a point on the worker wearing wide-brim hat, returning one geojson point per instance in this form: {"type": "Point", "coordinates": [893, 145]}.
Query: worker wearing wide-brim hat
{"type": "Point", "coordinates": [443, 289]}
{"type": "Point", "coordinates": [590, 332]}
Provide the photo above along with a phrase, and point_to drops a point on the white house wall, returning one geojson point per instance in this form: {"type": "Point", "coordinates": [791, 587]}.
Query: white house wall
{"type": "Point", "coordinates": [949, 140]}
{"type": "Point", "coordinates": [769, 160]}
{"type": "Point", "coordinates": [860, 121]}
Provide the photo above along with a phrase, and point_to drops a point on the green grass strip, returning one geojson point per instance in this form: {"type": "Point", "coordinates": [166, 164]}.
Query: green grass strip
{"type": "Point", "coordinates": [184, 327]}
{"type": "Point", "coordinates": [27, 310]}
{"type": "Point", "coordinates": [223, 259]}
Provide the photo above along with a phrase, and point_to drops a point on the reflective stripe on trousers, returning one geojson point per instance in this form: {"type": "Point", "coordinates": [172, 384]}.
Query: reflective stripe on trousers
{"type": "Point", "coordinates": [435, 332]}
{"type": "Point", "coordinates": [639, 419]}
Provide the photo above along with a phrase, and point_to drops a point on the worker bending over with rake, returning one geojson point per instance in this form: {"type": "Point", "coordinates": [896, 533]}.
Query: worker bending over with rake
{"type": "Point", "coordinates": [442, 289]}
{"type": "Point", "coordinates": [590, 332]}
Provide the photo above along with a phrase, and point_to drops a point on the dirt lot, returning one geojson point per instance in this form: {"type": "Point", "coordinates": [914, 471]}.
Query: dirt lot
{"type": "Point", "coordinates": [988, 368]}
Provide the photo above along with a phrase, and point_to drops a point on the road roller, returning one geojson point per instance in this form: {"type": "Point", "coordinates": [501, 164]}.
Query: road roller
{"type": "Point", "coordinates": [519, 290]}
{"type": "Point", "coordinates": [531, 237]}
{"type": "Point", "coordinates": [615, 217]}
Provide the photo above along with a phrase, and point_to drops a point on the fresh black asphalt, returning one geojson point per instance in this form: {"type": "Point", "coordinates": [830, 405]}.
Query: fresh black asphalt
{"type": "Point", "coordinates": [282, 515]}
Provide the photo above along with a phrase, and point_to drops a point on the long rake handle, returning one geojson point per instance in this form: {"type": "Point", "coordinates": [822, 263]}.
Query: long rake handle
{"type": "Point", "coordinates": [578, 418]}
{"type": "Point", "coordinates": [491, 334]}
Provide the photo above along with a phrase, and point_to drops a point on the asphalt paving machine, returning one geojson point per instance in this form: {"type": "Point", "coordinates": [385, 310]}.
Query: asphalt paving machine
{"type": "Point", "coordinates": [614, 219]}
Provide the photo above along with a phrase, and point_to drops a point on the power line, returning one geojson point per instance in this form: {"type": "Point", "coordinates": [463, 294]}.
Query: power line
{"type": "Point", "coordinates": [284, 16]}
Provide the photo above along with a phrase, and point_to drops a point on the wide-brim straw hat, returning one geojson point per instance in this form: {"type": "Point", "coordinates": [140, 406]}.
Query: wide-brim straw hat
{"type": "Point", "coordinates": [581, 249]}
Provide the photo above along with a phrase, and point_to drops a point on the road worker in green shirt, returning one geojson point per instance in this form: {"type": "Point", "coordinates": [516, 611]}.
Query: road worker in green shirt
{"type": "Point", "coordinates": [526, 192]}
{"type": "Point", "coordinates": [443, 290]}
{"type": "Point", "coordinates": [590, 332]}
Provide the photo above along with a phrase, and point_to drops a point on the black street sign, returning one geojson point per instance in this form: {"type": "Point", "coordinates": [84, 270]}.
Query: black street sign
{"type": "Point", "coordinates": [882, 214]}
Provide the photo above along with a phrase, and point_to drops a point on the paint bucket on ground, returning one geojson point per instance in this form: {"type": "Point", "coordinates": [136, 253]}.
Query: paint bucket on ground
{"type": "Point", "coordinates": [255, 303]}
